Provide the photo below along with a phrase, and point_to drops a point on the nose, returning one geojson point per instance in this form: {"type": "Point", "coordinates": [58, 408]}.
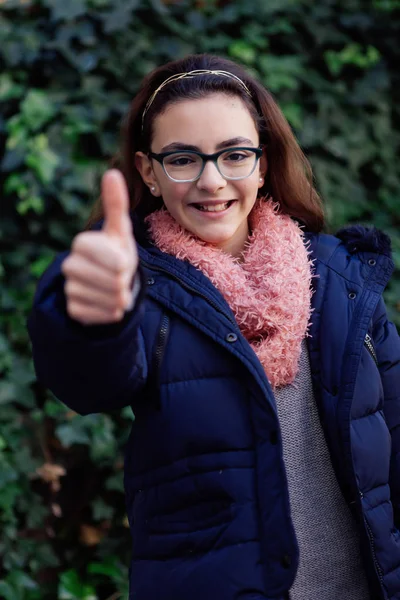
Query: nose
{"type": "Point", "coordinates": [211, 179]}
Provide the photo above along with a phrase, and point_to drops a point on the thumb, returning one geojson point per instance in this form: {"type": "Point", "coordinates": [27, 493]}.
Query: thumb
{"type": "Point", "coordinates": [117, 222]}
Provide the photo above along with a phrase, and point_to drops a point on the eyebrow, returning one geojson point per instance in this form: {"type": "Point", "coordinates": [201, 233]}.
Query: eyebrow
{"type": "Point", "coordinates": [237, 141]}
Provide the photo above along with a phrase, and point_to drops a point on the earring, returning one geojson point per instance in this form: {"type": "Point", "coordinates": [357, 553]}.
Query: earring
{"type": "Point", "coordinates": [261, 179]}
{"type": "Point", "coordinates": [153, 189]}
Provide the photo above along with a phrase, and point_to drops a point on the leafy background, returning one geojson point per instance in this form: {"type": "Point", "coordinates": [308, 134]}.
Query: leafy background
{"type": "Point", "coordinates": [68, 70]}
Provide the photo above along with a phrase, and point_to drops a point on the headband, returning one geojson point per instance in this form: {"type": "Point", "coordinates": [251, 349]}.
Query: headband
{"type": "Point", "coordinates": [191, 74]}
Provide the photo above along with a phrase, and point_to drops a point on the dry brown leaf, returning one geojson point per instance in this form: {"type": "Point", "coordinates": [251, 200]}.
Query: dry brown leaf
{"type": "Point", "coordinates": [90, 536]}
{"type": "Point", "coordinates": [51, 473]}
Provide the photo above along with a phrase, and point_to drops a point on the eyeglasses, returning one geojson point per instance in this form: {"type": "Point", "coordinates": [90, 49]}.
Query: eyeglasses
{"type": "Point", "coordinates": [185, 166]}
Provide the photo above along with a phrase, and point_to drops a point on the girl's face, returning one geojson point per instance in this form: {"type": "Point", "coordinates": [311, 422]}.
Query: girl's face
{"type": "Point", "coordinates": [215, 122]}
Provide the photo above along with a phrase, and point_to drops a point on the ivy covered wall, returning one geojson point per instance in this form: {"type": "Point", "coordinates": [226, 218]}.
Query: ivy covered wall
{"type": "Point", "coordinates": [68, 69]}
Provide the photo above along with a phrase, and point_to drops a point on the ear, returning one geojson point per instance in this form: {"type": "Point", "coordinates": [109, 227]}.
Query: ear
{"type": "Point", "coordinates": [145, 168]}
{"type": "Point", "coordinates": [263, 168]}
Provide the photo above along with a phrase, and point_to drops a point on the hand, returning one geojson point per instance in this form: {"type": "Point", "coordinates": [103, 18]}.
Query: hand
{"type": "Point", "coordinates": [102, 264]}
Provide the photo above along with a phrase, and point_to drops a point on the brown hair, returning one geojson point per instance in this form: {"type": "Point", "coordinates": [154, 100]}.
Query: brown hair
{"type": "Point", "coordinates": [289, 178]}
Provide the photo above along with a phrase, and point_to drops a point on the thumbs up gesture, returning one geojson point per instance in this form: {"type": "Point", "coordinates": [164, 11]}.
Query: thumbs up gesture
{"type": "Point", "coordinates": [102, 264]}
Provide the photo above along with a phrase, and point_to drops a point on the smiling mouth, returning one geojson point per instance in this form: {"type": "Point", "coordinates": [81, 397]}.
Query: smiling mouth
{"type": "Point", "coordinates": [213, 207]}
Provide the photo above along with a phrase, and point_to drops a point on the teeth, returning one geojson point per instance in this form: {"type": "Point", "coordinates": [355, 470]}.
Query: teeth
{"type": "Point", "coordinates": [214, 208]}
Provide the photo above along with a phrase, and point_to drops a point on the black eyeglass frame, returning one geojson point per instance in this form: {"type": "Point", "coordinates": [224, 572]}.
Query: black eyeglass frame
{"type": "Point", "coordinates": [205, 158]}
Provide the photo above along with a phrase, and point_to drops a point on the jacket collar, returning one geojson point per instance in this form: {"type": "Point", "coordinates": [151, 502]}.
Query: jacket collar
{"type": "Point", "coordinates": [358, 245]}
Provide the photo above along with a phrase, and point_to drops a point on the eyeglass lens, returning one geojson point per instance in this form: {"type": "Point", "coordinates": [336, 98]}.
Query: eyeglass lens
{"type": "Point", "coordinates": [232, 164]}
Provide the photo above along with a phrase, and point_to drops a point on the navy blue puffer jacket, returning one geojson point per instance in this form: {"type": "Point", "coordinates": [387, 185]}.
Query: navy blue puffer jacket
{"type": "Point", "coordinates": [205, 481]}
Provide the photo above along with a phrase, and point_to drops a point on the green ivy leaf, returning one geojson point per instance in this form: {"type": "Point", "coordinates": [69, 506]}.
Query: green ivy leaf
{"type": "Point", "coordinates": [54, 409]}
{"type": "Point", "coordinates": [8, 392]}
{"type": "Point", "coordinates": [8, 497]}
{"type": "Point", "coordinates": [15, 184]}
{"type": "Point", "coordinates": [115, 482]}
{"type": "Point", "coordinates": [281, 73]}
{"type": "Point", "coordinates": [21, 581]}
{"type": "Point", "coordinates": [109, 567]}
{"type": "Point", "coordinates": [41, 159]}
{"type": "Point", "coordinates": [18, 132]}
{"type": "Point", "coordinates": [9, 89]}
{"type": "Point", "coordinates": [294, 114]}
{"type": "Point", "coordinates": [242, 50]}
{"type": "Point", "coordinates": [37, 109]}
{"type": "Point", "coordinates": [67, 11]}
{"type": "Point", "coordinates": [101, 510]}
{"type": "Point", "coordinates": [72, 433]}
{"type": "Point", "coordinates": [103, 443]}
{"type": "Point", "coordinates": [72, 588]}
{"type": "Point", "coordinates": [6, 591]}
{"type": "Point", "coordinates": [33, 203]}
{"type": "Point", "coordinates": [39, 266]}
{"type": "Point", "coordinates": [351, 54]}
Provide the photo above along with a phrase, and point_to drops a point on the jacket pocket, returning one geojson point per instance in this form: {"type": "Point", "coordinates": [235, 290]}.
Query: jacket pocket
{"type": "Point", "coordinates": [198, 516]}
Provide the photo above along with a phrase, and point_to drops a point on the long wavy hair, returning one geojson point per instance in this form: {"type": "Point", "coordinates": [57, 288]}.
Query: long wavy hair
{"type": "Point", "coordinates": [289, 179]}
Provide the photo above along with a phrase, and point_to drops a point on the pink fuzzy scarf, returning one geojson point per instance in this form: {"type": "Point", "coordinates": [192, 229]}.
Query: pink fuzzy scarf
{"type": "Point", "coordinates": [269, 292]}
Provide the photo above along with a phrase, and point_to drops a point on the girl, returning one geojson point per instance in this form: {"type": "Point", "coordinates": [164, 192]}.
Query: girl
{"type": "Point", "coordinates": [255, 352]}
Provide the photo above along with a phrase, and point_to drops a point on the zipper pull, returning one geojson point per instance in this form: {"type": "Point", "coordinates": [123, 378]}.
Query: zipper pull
{"type": "Point", "coordinates": [369, 345]}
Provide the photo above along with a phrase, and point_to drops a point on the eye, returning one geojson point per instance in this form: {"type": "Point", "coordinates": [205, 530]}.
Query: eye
{"type": "Point", "coordinates": [179, 161]}
{"type": "Point", "coordinates": [235, 156]}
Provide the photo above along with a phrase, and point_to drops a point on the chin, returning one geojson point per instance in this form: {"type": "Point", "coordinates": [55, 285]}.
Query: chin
{"type": "Point", "coordinates": [216, 238]}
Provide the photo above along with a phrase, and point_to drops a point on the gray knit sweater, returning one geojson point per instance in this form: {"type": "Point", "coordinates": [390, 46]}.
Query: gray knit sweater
{"type": "Point", "coordinates": [330, 564]}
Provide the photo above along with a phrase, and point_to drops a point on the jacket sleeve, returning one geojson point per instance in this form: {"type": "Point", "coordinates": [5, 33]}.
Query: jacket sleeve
{"type": "Point", "coordinates": [387, 345]}
{"type": "Point", "coordinates": [90, 368]}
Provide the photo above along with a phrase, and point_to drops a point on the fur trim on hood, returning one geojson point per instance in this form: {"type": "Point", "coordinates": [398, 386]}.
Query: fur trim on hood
{"type": "Point", "coordinates": [365, 239]}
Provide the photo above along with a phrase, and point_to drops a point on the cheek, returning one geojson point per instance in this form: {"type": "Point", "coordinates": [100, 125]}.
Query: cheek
{"type": "Point", "coordinates": [173, 194]}
{"type": "Point", "coordinates": [248, 189]}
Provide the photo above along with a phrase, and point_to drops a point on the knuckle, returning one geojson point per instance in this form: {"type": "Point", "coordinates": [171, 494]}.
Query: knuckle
{"type": "Point", "coordinates": [115, 303]}
{"type": "Point", "coordinates": [80, 241]}
{"type": "Point", "coordinates": [121, 302]}
{"type": "Point", "coordinates": [76, 242]}
{"type": "Point", "coordinates": [65, 265]}
{"type": "Point", "coordinates": [74, 310]}
{"type": "Point", "coordinates": [117, 285]}
{"type": "Point", "coordinates": [117, 315]}
{"type": "Point", "coordinates": [72, 289]}
{"type": "Point", "coordinates": [68, 287]}
{"type": "Point", "coordinates": [119, 261]}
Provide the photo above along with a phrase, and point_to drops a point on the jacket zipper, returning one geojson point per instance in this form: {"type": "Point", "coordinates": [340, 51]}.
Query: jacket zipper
{"type": "Point", "coordinates": [161, 343]}
{"type": "Point", "coordinates": [368, 344]}
{"type": "Point", "coordinates": [154, 388]}
{"type": "Point", "coordinates": [376, 563]}
{"type": "Point", "coordinates": [192, 289]}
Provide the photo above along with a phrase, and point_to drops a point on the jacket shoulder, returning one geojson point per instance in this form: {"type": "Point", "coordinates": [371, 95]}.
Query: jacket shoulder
{"type": "Point", "coordinates": [352, 240]}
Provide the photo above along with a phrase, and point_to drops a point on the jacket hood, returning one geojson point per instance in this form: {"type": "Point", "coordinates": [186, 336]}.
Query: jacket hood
{"type": "Point", "coordinates": [357, 238]}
